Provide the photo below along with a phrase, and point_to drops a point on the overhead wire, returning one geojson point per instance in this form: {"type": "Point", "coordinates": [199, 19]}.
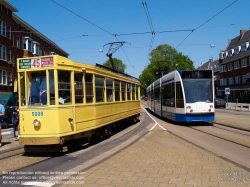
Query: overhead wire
{"type": "Point", "coordinates": [144, 4]}
{"type": "Point", "coordinates": [81, 17]}
{"type": "Point", "coordinates": [92, 24]}
{"type": "Point", "coordinates": [206, 22]}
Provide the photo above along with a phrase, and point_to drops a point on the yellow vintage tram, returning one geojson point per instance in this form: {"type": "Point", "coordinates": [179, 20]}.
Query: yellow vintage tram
{"type": "Point", "coordinates": [61, 100]}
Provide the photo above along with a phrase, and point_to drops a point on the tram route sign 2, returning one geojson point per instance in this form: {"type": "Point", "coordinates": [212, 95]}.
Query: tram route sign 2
{"type": "Point", "coordinates": [227, 91]}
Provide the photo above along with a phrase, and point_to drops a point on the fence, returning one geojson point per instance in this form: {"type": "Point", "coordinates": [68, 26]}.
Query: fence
{"type": "Point", "coordinates": [238, 106]}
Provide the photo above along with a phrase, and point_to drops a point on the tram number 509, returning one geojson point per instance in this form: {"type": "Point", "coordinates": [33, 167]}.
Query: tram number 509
{"type": "Point", "coordinates": [37, 113]}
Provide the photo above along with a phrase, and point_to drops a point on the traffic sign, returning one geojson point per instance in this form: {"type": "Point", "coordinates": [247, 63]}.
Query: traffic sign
{"type": "Point", "coordinates": [227, 90]}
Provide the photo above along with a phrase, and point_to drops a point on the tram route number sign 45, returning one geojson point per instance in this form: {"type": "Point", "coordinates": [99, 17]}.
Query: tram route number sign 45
{"type": "Point", "coordinates": [38, 113]}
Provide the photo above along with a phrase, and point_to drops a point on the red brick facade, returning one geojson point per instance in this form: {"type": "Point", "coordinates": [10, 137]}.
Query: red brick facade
{"type": "Point", "coordinates": [13, 32]}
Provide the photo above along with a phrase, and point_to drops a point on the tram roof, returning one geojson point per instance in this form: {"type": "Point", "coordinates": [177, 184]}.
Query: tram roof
{"type": "Point", "coordinates": [63, 63]}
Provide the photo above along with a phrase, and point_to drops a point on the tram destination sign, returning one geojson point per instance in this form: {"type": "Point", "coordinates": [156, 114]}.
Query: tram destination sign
{"type": "Point", "coordinates": [36, 63]}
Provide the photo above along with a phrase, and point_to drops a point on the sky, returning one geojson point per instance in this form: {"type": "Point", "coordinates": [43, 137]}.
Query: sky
{"type": "Point", "coordinates": [83, 27]}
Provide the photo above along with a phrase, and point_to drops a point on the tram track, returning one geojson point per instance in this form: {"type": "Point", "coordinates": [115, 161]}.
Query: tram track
{"type": "Point", "coordinates": [226, 133]}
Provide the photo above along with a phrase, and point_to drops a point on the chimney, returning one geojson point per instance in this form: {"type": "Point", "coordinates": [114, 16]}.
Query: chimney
{"type": "Point", "coordinates": [242, 32]}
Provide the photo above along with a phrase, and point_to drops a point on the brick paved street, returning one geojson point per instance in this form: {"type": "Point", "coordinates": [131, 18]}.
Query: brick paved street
{"type": "Point", "coordinates": [164, 160]}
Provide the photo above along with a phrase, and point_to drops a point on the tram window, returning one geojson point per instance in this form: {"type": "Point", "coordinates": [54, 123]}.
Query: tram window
{"type": "Point", "coordinates": [52, 87]}
{"type": "Point", "coordinates": [64, 87]}
{"type": "Point", "coordinates": [117, 90]}
{"type": "Point", "coordinates": [79, 94]}
{"type": "Point", "coordinates": [89, 87]}
{"type": "Point", "coordinates": [157, 97]}
{"type": "Point", "coordinates": [123, 91]}
{"type": "Point", "coordinates": [133, 91]}
{"type": "Point", "coordinates": [99, 88]}
{"type": "Point", "coordinates": [128, 91]}
{"type": "Point", "coordinates": [109, 89]}
{"type": "Point", "coordinates": [137, 92]}
{"type": "Point", "coordinates": [43, 87]}
{"type": "Point", "coordinates": [22, 89]}
{"type": "Point", "coordinates": [179, 96]}
{"type": "Point", "coordinates": [173, 94]}
{"type": "Point", "coordinates": [35, 97]}
{"type": "Point", "coordinates": [167, 94]}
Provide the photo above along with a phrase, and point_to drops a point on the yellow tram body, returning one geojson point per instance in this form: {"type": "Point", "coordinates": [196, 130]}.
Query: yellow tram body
{"type": "Point", "coordinates": [76, 100]}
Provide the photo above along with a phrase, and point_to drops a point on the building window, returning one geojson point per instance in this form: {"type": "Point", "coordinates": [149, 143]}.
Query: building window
{"type": "Point", "coordinates": [9, 56]}
{"type": "Point", "coordinates": [223, 82]}
{"type": "Point", "coordinates": [2, 28]}
{"type": "Point", "coordinates": [2, 52]}
{"type": "Point", "coordinates": [27, 44]}
{"type": "Point", "coordinates": [45, 53]}
{"type": "Point", "coordinates": [3, 77]}
{"type": "Point", "coordinates": [40, 52]}
{"type": "Point", "coordinates": [230, 66]}
{"type": "Point", "coordinates": [244, 80]}
{"type": "Point", "coordinates": [231, 81]}
{"type": "Point", "coordinates": [237, 80]}
{"type": "Point", "coordinates": [30, 46]}
{"type": "Point", "coordinates": [10, 76]}
{"type": "Point", "coordinates": [9, 32]}
{"type": "Point", "coordinates": [18, 42]}
{"type": "Point", "coordinates": [35, 48]}
{"type": "Point", "coordinates": [244, 62]}
{"type": "Point", "coordinates": [4, 10]}
{"type": "Point", "coordinates": [223, 68]}
{"type": "Point", "coordinates": [236, 65]}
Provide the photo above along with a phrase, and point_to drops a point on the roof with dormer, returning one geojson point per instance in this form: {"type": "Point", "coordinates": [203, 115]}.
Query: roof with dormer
{"type": "Point", "coordinates": [240, 40]}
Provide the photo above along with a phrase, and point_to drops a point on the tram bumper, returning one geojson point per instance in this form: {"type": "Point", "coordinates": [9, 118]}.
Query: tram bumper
{"type": "Point", "coordinates": [41, 141]}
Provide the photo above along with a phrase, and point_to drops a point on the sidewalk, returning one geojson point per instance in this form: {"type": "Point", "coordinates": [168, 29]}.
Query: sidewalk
{"type": "Point", "coordinates": [233, 120]}
{"type": "Point", "coordinates": [162, 159]}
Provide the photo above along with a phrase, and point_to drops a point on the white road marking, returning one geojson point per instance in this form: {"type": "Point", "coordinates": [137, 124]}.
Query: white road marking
{"type": "Point", "coordinates": [154, 121]}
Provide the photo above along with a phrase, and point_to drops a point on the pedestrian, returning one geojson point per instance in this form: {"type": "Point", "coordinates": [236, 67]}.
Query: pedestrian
{"type": "Point", "coordinates": [2, 113]}
{"type": "Point", "coordinates": [15, 121]}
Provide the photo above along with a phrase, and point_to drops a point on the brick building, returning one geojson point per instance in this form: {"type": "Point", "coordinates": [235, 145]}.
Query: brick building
{"type": "Point", "coordinates": [19, 39]}
{"type": "Point", "coordinates": [235, 68]}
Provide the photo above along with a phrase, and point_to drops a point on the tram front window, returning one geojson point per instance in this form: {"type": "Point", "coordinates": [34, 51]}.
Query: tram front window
{"type": "Point", "coordinates": [198, 90]}
{"type": "Point", "coordinates": [37, 88]}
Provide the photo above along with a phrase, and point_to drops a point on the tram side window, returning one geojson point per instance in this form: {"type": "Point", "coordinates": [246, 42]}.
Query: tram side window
{"type": "Point", "coordinates": [173, 93]}
{"type": "Point", "coordinates": [99, 89]}
{"type": "Point", "coordinates": [128, 91]}
{"type": "Point", "coordinates": [136, 93]}
{"type": "Point", "coordinates": [123, 91]}
{"type": "Point", "coordinates": [64, 87]}
{"type": "Point", "coordinates": [133, 91]}
{"type": "Point", "coordinates": [157, 97]}
{"type": "Point", "coordinates": [89, 87]}
{"type": "Point", "coordinates": [22, 89]}
{"type": "Point", "coordinates": [109, 89]}
{"type": "Point", "coordinates": [168, 97]}
{"type": "Point", "coordinates": [79, 94]}
{"type": "Point", "coordinates": [179, 96]}
{"type": "Point", "coordinates": [117, 90]}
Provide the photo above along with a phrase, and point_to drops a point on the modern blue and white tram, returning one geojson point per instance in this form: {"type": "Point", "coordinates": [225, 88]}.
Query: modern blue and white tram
{"type": "Point", "coordinates": [183, 96]}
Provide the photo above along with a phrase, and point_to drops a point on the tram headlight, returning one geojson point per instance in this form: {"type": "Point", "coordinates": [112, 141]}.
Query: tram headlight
{"type": "Point", "coordinates": [36, 122]}
{"type": "Point", "coordinates": [211, 106]}
{"type": "Point", "coordinates": [188, 107]}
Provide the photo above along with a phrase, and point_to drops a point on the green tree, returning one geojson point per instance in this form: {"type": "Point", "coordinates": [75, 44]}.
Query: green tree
{"type": "Point", "coordinates": [163, 59]}
{"type": "Point", "coordinates": [118, 65]}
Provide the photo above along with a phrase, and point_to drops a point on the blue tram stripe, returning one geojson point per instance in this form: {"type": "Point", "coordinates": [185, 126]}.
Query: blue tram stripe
{"type": "Point", "coordinates": [194, 117]}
